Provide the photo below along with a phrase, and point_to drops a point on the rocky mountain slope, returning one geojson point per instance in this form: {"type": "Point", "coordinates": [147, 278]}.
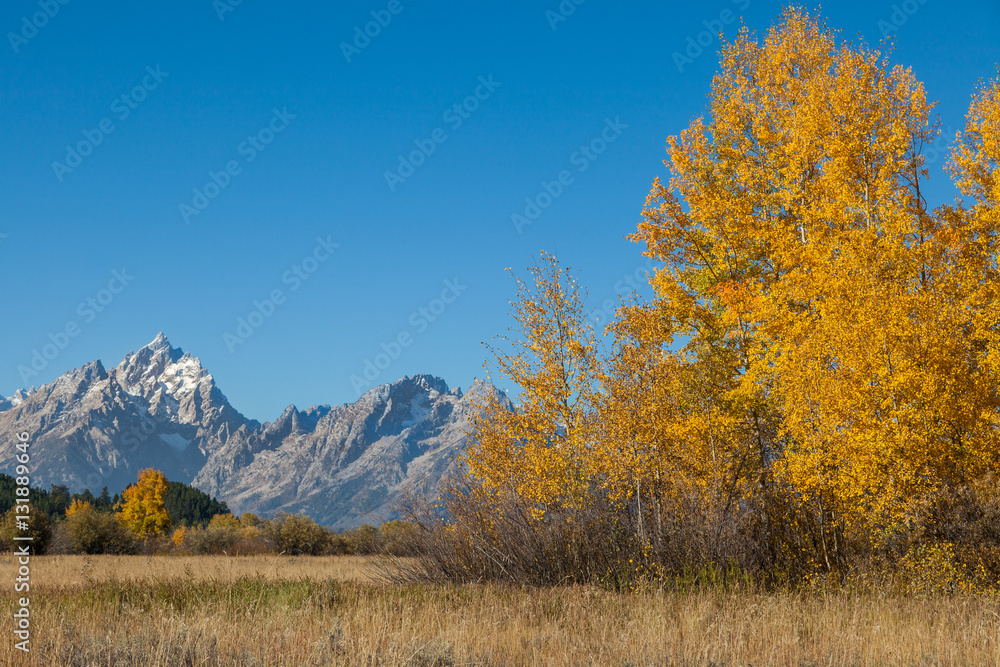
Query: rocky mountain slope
{"type": "Point", "coordinates": [345, 465]}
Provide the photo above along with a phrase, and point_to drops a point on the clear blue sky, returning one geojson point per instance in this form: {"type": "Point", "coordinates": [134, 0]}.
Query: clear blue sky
{"type": "Point", "coordinates": [213, 83]}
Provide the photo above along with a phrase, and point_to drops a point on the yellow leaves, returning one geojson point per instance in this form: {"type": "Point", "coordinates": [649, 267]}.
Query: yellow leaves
{"type": "Point", "coordinates": [975, 161]}
{"type": "Point", "coordinates": [77, 506]}
{"type": "Point", "coordinates": [798, 251]}
{"type": "Point", "coordinates": [805, 269]}
{"type": "Point", "coordinates": [142, 510]}
{"type": "Point", "coordinates": [933, 570]}
{"type": "Point", "coordinates": [839, 341]}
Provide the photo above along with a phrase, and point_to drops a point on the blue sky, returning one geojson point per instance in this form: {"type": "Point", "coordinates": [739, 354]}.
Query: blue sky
{"type": "Point", "coordinates": [230, 153]}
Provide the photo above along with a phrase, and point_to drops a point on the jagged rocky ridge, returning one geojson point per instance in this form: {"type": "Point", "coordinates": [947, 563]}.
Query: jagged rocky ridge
{"type": "Point", "coordinates": [343, 466]}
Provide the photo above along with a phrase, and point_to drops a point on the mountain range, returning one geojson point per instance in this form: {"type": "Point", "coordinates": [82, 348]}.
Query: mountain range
{"type": "Point", "coordinates": [343, 466]}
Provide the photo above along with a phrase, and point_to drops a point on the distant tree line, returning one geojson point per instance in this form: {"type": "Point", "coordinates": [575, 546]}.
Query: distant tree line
{"type": "Point", "coordinates": [185, 504]}
{"type": "Point", "coordinates": [154, 515]}
{"type": "Point", "coordinates": [188, 506]}
{"type": "Point", "coordinates": [56, 500]}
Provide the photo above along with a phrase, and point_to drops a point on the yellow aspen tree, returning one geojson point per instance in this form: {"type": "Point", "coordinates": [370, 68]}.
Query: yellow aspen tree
{"type": "Point", "coordinates": [539, 450]}
{"type": "Point", "coordinates": [969, 291]}
{"type": "Point", "coordinates": [799, 248]}
{"type": "Point", "coordinates": [672, 431]}
{"type": "Point", "coordinates": [178, 536]}
{"type": "Point", "coordinates": [76, 506]}
{"type": "Point", "coordinates": [821, 342]}
{"type": "Point", "coordinates": [143, 510]}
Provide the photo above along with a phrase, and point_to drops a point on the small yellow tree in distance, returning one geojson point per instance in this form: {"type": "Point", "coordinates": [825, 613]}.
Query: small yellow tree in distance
{"type": "Point", "coordinates": [76, 506]}
{"type": "Point", "coordinates": [143, 511]}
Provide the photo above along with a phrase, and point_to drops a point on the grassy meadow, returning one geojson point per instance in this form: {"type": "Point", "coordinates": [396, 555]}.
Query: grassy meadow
{"type": "Point", "coordinates": [277, 610]}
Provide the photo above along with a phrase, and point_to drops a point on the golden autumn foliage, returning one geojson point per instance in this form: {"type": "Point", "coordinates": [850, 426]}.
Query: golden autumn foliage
{"type": "Point", "coordinates": [821, 361]}
{"type": "Point", "coordinates": [537, 452]}
{"type": "Point", "coordinates": [143, 511]}
{"type": "Point", "coordinates": [76, 506]}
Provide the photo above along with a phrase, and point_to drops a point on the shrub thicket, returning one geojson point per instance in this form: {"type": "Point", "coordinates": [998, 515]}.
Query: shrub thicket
{"type": "Point", "coordinates": [37, 526]}
{"type": "Point", "coordinates": [87, 531]}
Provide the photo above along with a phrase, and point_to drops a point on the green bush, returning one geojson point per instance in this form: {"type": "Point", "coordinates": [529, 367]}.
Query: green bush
{"type": "Point", "coordinates": [212, 540]}
{"type": "Point", "coordinates": [93, 532]}
{"type": "Point", "coordinates": [39, 529]}
{"type": "Point", "coordinates": [225, 534]}
{"type": "Point", "coordinates": [298, 534]}
{"type": "Point", "coordinates": [398, 538]}
{"type": "Point", "coordinates": [362, 540]}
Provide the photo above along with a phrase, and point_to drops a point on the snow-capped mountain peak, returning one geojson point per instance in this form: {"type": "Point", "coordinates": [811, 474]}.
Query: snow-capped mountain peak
{"type": "Point", "coordinates": [160, 408]}
{"type": "Point", "coordinates": [16, 399]}
{"type": "Point", "coordinates": [168, 379]}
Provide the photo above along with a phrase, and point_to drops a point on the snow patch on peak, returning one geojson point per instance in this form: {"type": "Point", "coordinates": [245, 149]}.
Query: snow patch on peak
{"type": "Point", "coordinates": [19, 396]}
{"type": "Point", "coordinates": [15, 400]}
{"type": "Point", "coordinates": [168, 382]}
{"type": "Point", "coordinates": [420, 409]}
{"type": "Point", "coordinates": [430, 383]}
{"type": "Point", "coordinates": [183, 376]}
{"type": "Point", "coordinates": [178, 375]}
{"type": "Point", "coordinates": [376, 394]}
{"type": "Point", "coordinates": [175, 440]}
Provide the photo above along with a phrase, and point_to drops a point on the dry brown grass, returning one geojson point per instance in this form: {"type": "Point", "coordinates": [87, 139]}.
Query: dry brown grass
{"type": "Point", "coordinates": [167, 611]}
{"type": "Point", "coordinates": [48, 571]}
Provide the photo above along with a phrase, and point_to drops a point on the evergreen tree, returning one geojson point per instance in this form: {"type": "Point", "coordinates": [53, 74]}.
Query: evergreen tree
{"type": "Point", "coordinates": [103, 502]}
